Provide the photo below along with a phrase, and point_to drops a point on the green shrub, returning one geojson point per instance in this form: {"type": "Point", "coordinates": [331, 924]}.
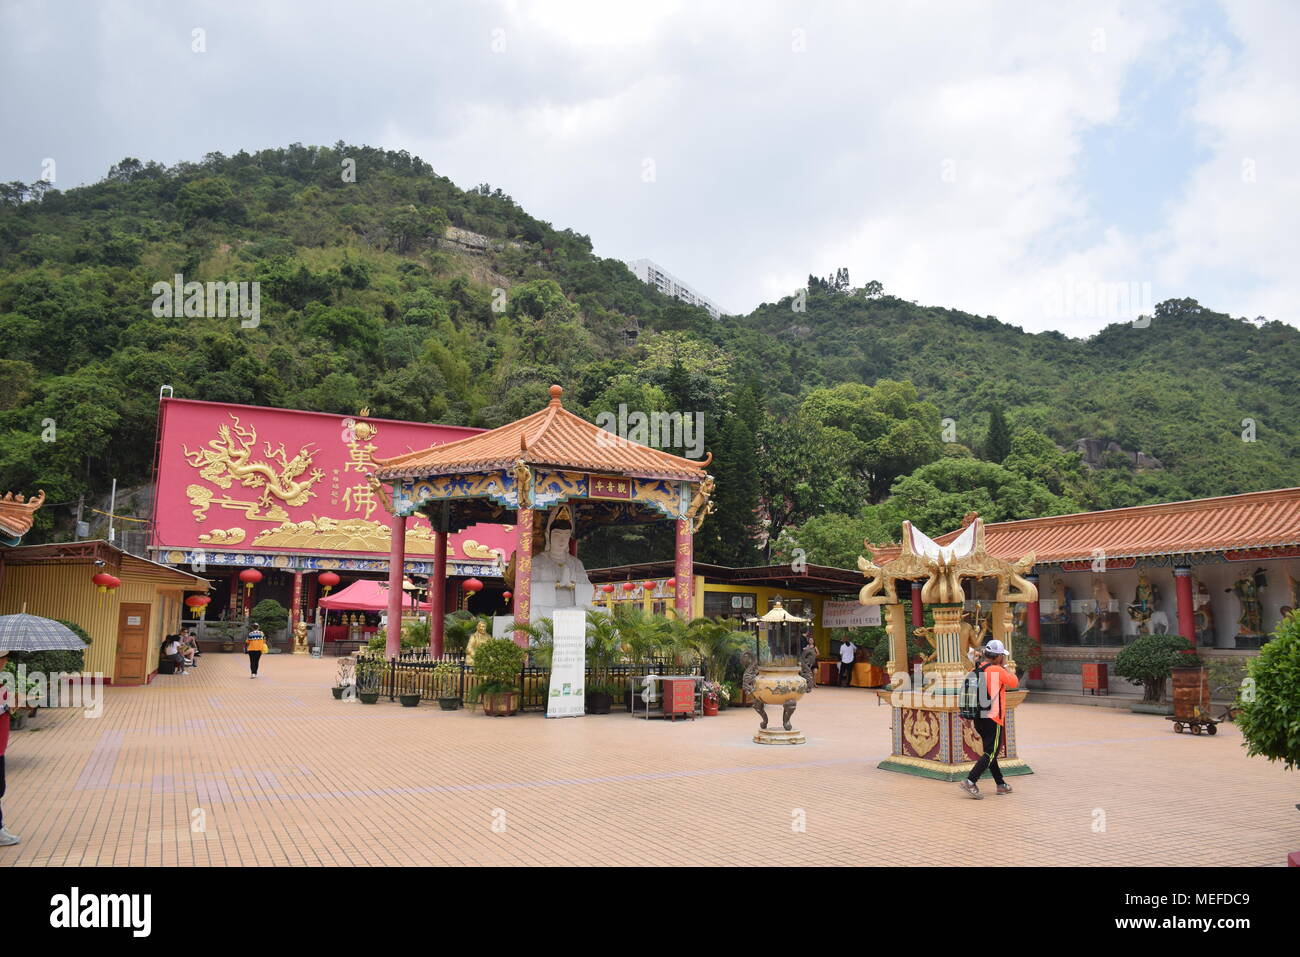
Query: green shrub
{"type": "Point", "coordinates": [497, 664]}
{"type": "Point", "coordinates": [1270, 701]}
{"type": "Point", "coordinates": [52, 662]}
{"type": "Point", "coordinates": [270, 615]}
{"type": "Point", "coordinates": [1151, 658]}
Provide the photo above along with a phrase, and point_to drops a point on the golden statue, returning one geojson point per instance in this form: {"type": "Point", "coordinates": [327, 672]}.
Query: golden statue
{"type": "Point", "coordinates": [300, 638]}
{"type": "Point", "coordinates": [480, 635]}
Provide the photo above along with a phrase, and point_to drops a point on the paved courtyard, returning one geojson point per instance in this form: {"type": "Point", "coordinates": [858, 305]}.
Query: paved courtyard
{"type": "Point", "coordinates": [217, 769]}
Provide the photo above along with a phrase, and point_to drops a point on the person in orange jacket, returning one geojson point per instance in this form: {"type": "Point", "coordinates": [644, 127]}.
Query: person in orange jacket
{"type": "Point", "coordinates": [990, 723]}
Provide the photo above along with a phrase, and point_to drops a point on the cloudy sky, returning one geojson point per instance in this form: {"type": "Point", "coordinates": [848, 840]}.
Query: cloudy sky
{"type": "Point", "coordinates": [1057, 165]}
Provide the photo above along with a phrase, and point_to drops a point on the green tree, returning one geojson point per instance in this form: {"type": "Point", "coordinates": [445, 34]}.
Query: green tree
{"type": "Point", "coordinates": [886, 430]}
{"type": "Point", "coordinates": [997, 444]}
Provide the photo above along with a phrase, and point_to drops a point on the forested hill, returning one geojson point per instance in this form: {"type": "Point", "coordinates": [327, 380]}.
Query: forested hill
{"type": "Point", "coordinates": [384, 285]}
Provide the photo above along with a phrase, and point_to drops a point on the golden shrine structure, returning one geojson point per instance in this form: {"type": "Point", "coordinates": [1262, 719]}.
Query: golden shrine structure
{"type": "Point", "coordinates": [528, 474]}
{"type": "Point", "coordinates": [929, 736]}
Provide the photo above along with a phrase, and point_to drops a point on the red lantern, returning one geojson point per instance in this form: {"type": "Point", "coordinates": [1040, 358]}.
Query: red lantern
{"type": "Point", "coordinates": [197, 603]}
{"type": "Point", "coordinates": [672, 583]}
{"type": "Point", "coordinates": [607, 588]}
{"type": "Point", "coordinates": [250, 577]}
{"type": "Point", "coordinates": [105, 582]}
{"type": "Point", "coordinates": [327, 580]}
{"type": "Point", "coordinates": [650, 586]}
{"type": "Point", "coordinates": [629, 586]}
{"type": "Point", "coordinates": [473, 585]}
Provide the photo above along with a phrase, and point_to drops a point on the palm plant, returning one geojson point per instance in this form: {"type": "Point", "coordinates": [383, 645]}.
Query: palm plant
{"type": "Point", "coordinates": [604, 651]}
{"type": "Point", "coordinates": [542, 641]}
{"type": "Point", "coordinates": [457, 627]}
{"type": "Point", "coordinates": [713, 642]}
{"type": "Point", "coordinates": [643, 637]}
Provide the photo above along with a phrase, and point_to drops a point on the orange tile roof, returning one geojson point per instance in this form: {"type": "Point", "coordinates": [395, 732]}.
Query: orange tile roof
{"type": "Point", "coordinates": [17, 514]}
{"type": "Point", "coordinates": [1252, 520]}
{"type": "Point", "coordinates": [552, 436]}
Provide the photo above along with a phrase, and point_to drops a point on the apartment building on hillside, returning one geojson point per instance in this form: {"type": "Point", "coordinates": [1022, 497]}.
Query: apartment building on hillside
{"type": "Point", "coordinates": [654, 274]}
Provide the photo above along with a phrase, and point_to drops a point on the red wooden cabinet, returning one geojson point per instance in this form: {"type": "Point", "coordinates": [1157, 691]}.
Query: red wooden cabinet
{"type": "Point", "coordinates": [679, 697]}
{"type": "Point", "coordinates": [1095, 677]}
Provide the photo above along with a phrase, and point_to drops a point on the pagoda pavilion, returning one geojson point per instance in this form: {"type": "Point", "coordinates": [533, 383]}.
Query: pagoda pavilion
{"type": "Point", "coordinates": [522, 474]}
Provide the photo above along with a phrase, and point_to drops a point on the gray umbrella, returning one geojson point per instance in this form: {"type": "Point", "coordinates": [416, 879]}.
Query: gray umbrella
{"type": "Point", "coordinates": [30, 633]}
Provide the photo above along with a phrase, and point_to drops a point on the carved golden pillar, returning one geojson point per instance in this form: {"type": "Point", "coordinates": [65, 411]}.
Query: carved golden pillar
{"type": "Point", "coordinates": [948, 659]}
{"type": "Point", "coordinates": [1004, 630]}
{"type": "Point", "coordinates": [896, 627]}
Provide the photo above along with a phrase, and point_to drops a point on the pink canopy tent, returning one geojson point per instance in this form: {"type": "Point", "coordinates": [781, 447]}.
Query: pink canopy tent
{"type": "Point", "coordinates": [364, 595]}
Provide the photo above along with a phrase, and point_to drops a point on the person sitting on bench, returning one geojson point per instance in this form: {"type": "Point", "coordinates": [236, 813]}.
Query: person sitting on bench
{"type": "Point", "coordinates": [172, 652]}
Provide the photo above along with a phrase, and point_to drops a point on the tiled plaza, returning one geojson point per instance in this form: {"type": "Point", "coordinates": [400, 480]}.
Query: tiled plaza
{"type": "Point", "coordinates": [218, 769]}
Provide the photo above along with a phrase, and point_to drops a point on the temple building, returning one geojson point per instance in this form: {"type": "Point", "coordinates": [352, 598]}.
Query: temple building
{"type": "Point", "coordinates": [1219, 571]}
{"type": "Point", "coordinates": [283, 497]}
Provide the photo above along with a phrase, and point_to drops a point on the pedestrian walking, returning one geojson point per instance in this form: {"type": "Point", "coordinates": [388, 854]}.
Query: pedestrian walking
{"type": "Point", "coordinates": [848, 651]}
{"type": "Point", "coordinates": [991, 681]}
{"type": "Point", "coordinates": [255, 645]}
{"type": "Point", "coordinates": [6, 838]}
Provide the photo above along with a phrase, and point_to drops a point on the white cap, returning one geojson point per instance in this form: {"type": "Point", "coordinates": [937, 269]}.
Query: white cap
{"type": "Point", "coordinates": [995, 647]}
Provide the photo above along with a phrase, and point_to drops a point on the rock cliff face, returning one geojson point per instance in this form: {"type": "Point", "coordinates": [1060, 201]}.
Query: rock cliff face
{"type": "Point", "coordinates": [1095, 453]}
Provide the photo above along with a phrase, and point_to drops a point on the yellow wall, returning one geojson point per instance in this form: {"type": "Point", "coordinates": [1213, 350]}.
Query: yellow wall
{"type": "Point", "coordinates": [763, 595]}
{"type": "Point", "coordinates": [65, 591]}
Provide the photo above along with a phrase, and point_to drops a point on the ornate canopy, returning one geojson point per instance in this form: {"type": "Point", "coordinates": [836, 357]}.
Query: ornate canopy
{"type": "Point", "coordinates": [541, 461]}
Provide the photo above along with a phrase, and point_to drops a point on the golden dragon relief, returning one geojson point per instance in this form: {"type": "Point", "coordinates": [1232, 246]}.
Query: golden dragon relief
{"type": "Point", "coordinates": [229, 458]}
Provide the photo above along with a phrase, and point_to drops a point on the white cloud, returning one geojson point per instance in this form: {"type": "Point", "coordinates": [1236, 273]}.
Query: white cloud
{"type": "Point", "coordinates": [936, 147]}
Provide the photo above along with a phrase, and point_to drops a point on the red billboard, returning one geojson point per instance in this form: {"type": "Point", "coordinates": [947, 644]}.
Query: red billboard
{"type": "Point", "coordinates": [238, 481]}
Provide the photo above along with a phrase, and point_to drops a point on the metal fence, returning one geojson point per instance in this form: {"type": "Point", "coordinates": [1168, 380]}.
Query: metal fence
{"type": "Point", "coordinates": [417, 673]}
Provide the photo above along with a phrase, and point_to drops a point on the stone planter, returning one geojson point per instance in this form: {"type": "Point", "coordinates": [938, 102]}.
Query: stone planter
{"type": "Point", "coordinates": [368, 697]}
{"type": "Point", "coordinates": [597, 702]}
{"type": "Point", "coordinates": [409, 700]}
{"type": "Point", "coordinates": [449, 704]}
{"type": "Point", "coordinates": [338, 691]}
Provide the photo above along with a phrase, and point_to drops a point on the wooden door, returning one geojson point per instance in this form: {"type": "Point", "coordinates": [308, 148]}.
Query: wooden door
{"type": "Point", "coordinates": [132, 643]}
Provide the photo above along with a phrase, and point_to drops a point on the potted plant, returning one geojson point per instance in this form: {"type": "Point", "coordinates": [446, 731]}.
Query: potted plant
{"type": "Point", "coordinates": [446, 682]}
{"type": "Point", "coordinates": [604, 651]}
{"type": "Point", "coordinates": [712, 693]}
{"type": "Point", "coordinates": [344, 678]}
{"type": "Point", "coordinates": [730, 693]}
{"type": "Point", "coordinates": [497, 666]}
{"type": "Point", "coordinates": [1148, 662]}
{"type": "Point", "coordinates": [370, 673]}
{"type": "Point", "coordinates": [409, 699]}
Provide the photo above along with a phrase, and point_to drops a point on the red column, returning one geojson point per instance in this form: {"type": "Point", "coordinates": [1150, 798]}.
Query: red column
{"type": "Point", "coordinates": [295, 612]}
{"type": "Point", "coordinates": [1186, 604]}
{"type": "Point", "coordinates": [396, 561]}
{"type": "Point", "coordinates": [684, 569]}
{"type": "Point", "coordinates": [1034, 626]}
{"type": "Point", "coordinates": [918, 610]}
{"type": "Point", "coordinates": [438, 592]}
{"type": "Point", "coordinates": [523, 572]}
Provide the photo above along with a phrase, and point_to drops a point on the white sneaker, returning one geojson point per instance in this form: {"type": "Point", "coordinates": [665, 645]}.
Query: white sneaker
{"type": "Point", "coordinates": [7, 839]}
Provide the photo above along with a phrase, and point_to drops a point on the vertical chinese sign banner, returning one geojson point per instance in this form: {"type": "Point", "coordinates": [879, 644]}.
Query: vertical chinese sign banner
{"type": "Point", "coordinates": [566, 696]}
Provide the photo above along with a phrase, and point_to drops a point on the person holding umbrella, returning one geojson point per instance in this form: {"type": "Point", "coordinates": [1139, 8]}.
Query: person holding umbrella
{"type": "Point", "coordinates": [25, 633]}
{"type": "Point", "coordinates": [6, 838]}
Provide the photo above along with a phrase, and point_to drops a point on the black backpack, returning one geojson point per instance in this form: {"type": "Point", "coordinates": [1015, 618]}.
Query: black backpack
{"type": "Point", "coordinates": [968, 701]}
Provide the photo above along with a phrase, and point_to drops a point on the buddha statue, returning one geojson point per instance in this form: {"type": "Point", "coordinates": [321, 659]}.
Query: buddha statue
{"type": "Point", "coordinates": [480, 635]}
{"type": "Point", "coordinates": [559, 580]}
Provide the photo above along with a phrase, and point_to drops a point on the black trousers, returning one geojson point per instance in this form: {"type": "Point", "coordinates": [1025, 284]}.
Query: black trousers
{"type": "Point", "coordinates": [253, 658]}
{"type": "Point", "coordinates": [2, 789]}
{"type": "Point", "coordinates": [846, 673]}
{"type": "Point", "coordinates": [990, 733]}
